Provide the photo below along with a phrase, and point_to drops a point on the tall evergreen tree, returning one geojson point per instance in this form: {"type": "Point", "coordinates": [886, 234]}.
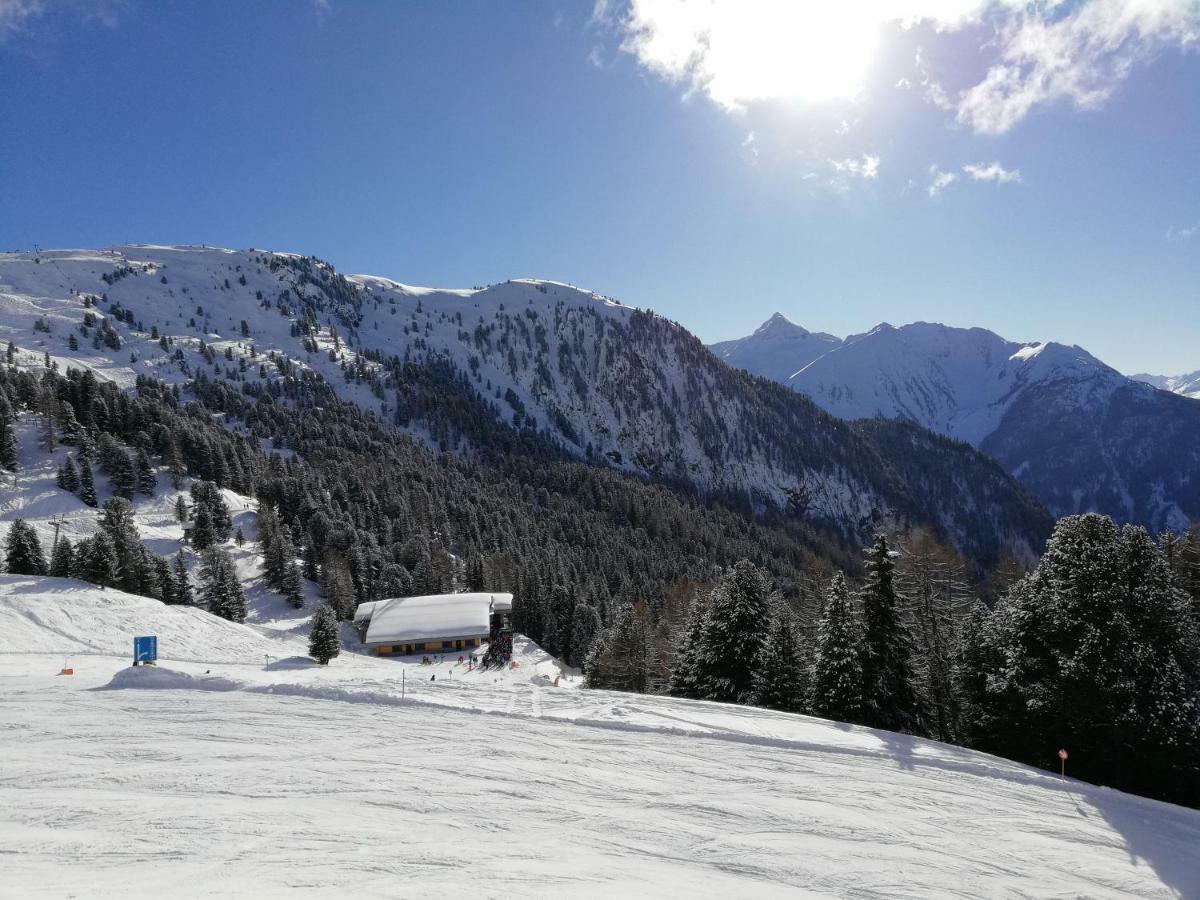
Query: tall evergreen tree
{"type": "Point", "coordinates": [68, 476]}
{"type": "Point", "coordinates": [622, 656]}
{"type": "Point", "coordinates": [87, 487]}
{"type": "Point", "coordinates": [889, 700]}
{"type": "Point", "coordinates": [220, 590]}
{"type": "Point", "coordinates": [146, 479]}
{"type": "Point", "coordinates": [23, 550]}
{"type": "Point", "coordinates": [837, 685]}
{"type": "Point", "coordinates": [780, 682]}
{"type": "Point", "coordinates": [8, 436]}
{"type": "Point", "coordinates": [181, 585]}
{"type": "Point", "coordinates": [1096, 651]}
{"type": "Point", "coordinates": [323, 641]}
{"type": "Point", "coordinates": [731, 647]}
{"type": "Point", "coordinates": [685, 676]}
{"type": "Point", "coordinates": [62, 559]}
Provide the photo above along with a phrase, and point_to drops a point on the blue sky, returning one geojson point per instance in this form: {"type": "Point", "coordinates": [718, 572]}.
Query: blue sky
{"type": "Point", "coordinates": [1033, 170]}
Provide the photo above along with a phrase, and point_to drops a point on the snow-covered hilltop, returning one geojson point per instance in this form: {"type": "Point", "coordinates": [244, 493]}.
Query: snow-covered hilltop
{"type": "Point", "coordinates": [598, 379]}
{"type": "Point", "coordinates": [1076, 431]}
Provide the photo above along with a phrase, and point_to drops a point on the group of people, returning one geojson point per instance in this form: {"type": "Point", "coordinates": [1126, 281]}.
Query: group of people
{"type": "Point", "coordinates": [499, 651]}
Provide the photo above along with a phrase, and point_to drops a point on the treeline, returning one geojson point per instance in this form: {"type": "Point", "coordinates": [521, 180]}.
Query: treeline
{"type": "Point", "coordinates": [1097, 650]}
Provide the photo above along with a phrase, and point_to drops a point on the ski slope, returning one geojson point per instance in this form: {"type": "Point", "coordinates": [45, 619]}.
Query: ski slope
{"type": "Point", "coordinates": [221, 773]}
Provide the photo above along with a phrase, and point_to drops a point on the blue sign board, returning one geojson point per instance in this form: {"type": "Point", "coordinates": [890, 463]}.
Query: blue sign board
{"type": "Point", "coordinates": [145, 649]}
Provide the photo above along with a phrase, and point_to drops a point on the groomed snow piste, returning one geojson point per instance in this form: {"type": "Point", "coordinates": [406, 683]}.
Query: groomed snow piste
{"type": "Point", "coordinates": [222, 772]}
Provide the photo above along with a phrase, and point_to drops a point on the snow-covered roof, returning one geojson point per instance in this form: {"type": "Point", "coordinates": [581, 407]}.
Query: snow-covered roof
{"type": "Point", "coordinates": [408, 619]}
{"type": "Point", "coordinates": [364, 611]}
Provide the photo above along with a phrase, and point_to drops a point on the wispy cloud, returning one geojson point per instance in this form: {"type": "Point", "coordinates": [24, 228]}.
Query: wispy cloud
{"type": "Point", "coordinates": [16, 15]}
{"type": "Point", "coordinates": [1080, 56]}
{"type": "Point", "coordinates": [19, 17]}
{"type": "Point", "coordinates": [1184, 233]}
{"type": "Point", "coordinates": [991, 172]}
{"type": "Point", "coordinates": [939, 180]}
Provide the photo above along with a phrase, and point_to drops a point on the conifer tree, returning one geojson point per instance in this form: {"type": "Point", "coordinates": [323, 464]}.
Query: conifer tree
{"type": "Point", "coordinates": [62, 559]}
{"type": "Point", "coordinates": [836, 691]}
{"type": "Point", "coordinates": [291, 585]}
{"type": "Point", "coordinates": [8, 436]}
{"type": "Point", "coordinates": [68, 476]}
{"type": "Point", "coordinates": [323, 641]}
{"type": "Point", "coordinates": [622, 656]}
{"type": "Point", "coordinates": [585, 625]}
{"type": "Point", "coordinates": [1096, 651]}
{"type": "Point", "coordinates": [685, 677]}
{"type": "Point", "coordinates": [780, 682]}
{"type": "Point", "coordinates": [203, 535]}
{"type": "Point", "coordinates": [87, 487]}
{"type": "Point", "coordinates": [220, 590]}
{"type": "Point", "coordinates": [889, 700]}
{"type": "Point", "coordinates": [23, 550]}
{"type": "Point", "coordinates": [146, 479]}
{"type": "Point", "coordinates": [165, 579]}
{"type": "Point", "coordinates": [181, 585]}
{"type": "Point", "coordinates": [731, 648]}
{"type": "Point", "coordinates": [99, 565]}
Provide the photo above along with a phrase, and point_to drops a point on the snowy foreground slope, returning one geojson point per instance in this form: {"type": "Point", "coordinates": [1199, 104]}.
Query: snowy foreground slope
{"type": "Point", "coordinates": [219, 773]}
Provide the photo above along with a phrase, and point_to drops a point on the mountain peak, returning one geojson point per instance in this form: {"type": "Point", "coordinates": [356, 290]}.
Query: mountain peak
{"type": "Point", "coordinates": [779, 324]}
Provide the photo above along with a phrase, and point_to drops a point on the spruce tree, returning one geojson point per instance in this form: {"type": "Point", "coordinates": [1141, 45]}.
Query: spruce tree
{"type": "Point", "coordinates": [780, 682]}
{"type": "Point", "coordinates": [8, 436]}
{"type": "Point", "coordinates": [87, 487]}
{"type": "Point", "coordinates": [1095, 651]}
{"type": "Point", "coordinates": [889, 700]}
{"type": "Point", "coordinates": [684, 681]}
{"type": "Point", "coordinates": [731, 649]}
{"type": "Point", "coordinates": [23, 550]}
{"type": "Point", "coordinates": [323, 641]}
{"type": "Point", "coordinates": [70, 476]}
{"type": "Point", "coordinates": [585, 625]}
{"type": "Point", "coordinates": [146, 479]}
{"type": "Point", "coordinates": [291, 585]}
{"type": "Point", "coordinates": [836, 691]}
{"type": "Point", "coordinates": [203, 535]}
{"type": "Point", "coordinates": [62, 559]}
{"type": "Point", "coordinates": [181, 585]}
{"type": "Point", "coordinates": [220, 591]}
{"type": "Point", "coordinates": [100, 565]}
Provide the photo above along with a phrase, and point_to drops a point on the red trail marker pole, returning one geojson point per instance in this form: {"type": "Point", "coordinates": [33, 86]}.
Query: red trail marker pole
{"type": "Point", "coordinates": [1062, 758]}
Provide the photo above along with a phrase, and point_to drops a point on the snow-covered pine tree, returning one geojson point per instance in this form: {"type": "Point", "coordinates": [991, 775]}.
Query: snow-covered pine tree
{"type": "Point", "coordinates": [1096, 651]}
{"type": "Point", "coordinates": [98, 564]}
{"type": "Point", "coordinates": [220, 592]}
{"type": "Point", "coordinates": [889, 700]}
{"type": "Point", "coordinates": [146, 479]}
{"type": "Point", "coordinates": [164, 578]}
{"type": "Point", "coordinates": [87, 486]}
{"type": "Point", "coordinates": [323, 642]}
{"type": "Point", "coordinates": [731, 648]}
{"type": "Point", "coordinates": [181, 585]}
{"type": "Point", "coordinates": [23, 551]}
{"type": "Point", "coordinates": [68, 476]}
{"type": "Point", "coordinates": [203, 535]}
{"type": "Point", "coordinates": [8, 436]}
{"type": "Point", "coordinates": [62, 559]}
{"type": "Point", "coordinates": [684, 681]}
{"type": "Point", "coordinates": [585, 625]}
{"type": "Point", "coordinates": [291, 585]}
{"type": "Point", "coordinates": [780, 682]}
{"type": "Point", "coordinates": [836, 690]}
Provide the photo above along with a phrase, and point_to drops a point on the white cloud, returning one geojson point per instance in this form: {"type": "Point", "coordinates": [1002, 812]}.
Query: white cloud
{"type": "Point", "coordinates": [750, 51]}
{"type": "Point", "coordinates": [992, 172]}
{"type": "Point", "coordinates": [865, 167]}
{"type": "Point", "coordinates": [939, 180]}
{"type": "Point", "coordinates": [1184, 233]}
{"type": "Point", "coordinates": [1080, 56]}
{"type": "Point", "coordinates": [16, 14]}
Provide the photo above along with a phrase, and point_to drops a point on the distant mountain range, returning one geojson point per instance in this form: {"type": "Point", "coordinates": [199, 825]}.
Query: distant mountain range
{"type": "Point", "coordinates": [1184, 385]}
{"type": "Point", "coordinates": [1081, 435]}
{"type": "Point", "coordinates": [517, 364]}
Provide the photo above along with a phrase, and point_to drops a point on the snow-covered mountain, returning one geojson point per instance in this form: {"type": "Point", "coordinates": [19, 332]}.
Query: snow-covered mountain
{"type": "Point", "coordinates": [777, 350]}
{"type": "Point", "coordinates": [599, 379]}
{"type": "Point", "coordinates": [1076, 431]}
{"type": "Point", "coordinates": [1185, 385]}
